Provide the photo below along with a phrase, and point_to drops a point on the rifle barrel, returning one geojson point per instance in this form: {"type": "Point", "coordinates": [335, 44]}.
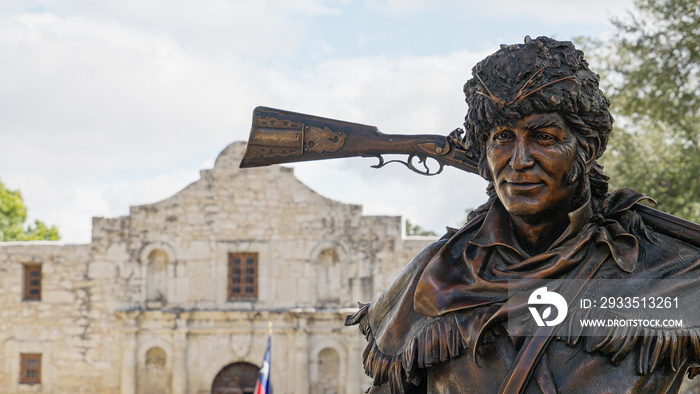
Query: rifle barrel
{"type": "Point", "coordinates": [279, 136]}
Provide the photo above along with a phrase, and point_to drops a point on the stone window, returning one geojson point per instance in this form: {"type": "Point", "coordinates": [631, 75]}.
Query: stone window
{"type": "Point", "coordinates": [242, 276]}
{"type": "Point", "coordinates": [32, 282]}
{"type": "Point", "coordinates": [30, 368]}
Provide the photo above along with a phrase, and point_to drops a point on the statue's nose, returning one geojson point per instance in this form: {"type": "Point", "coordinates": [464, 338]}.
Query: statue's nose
{"type": "Point", "coordinates": [522, 158]}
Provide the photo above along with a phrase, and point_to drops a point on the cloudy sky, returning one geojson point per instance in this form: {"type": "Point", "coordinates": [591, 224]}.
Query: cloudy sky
{"type": "Point", "coordinates": [105, 104]}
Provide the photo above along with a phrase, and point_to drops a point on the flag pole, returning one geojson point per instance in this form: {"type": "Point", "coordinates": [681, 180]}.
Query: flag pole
{"type": "Point", "coordinates": [263, 385]}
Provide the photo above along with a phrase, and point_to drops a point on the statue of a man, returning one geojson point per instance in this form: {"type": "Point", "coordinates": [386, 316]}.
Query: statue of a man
{"type": "Point", "coordinates": [539, 123]}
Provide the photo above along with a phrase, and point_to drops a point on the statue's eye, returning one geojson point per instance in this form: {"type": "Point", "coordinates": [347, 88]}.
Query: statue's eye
{"type": "Point", "coordinates": [544, 137]}
{"type": "Point", "coordinates": [505, 135]}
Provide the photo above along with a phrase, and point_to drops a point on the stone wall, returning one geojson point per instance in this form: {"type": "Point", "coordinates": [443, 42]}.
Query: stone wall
{"type": "Point", "coordinates": [144, 307]}
{"type": "Point", "coordinates": [70, 326]}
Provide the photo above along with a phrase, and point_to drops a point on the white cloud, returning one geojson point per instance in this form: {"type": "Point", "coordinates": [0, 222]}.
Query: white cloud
{"type": "Point", "coordinates": [251, 27]}
{"type": "Point", "coordinates": [118, 103]}
{"type": "Point", "coordinates": [100, 92]}
{"type": "Point", "coordinates": [407, 95]}
{"type": "Point", "coordinates": [410, 94]}
{"type": "Point", "coordinates": [593, 11]}
{"type": "Point", "coordinates": [559, 11]}
{"type": "Point", "coordinates": [97, 109]}
{"type": "Point", "coordinates": [122, 108]}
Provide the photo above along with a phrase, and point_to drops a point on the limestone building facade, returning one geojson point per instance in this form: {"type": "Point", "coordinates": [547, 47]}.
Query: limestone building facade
{"type": "Point", "coordinates": [179, 296]}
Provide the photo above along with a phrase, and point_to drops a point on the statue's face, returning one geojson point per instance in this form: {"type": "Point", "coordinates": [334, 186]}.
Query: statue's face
{"type": "Point", "coordinates": [529, 160]}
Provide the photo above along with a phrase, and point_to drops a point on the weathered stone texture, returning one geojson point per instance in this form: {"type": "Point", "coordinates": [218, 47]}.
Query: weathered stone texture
{"type": "Point", "coordinates": [70, 326]}
{"type": "Point", "coordinates": [144, 306]}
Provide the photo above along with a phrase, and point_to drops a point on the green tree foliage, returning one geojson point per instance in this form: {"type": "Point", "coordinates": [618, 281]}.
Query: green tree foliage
{"type": "Point", "coordinates": [650, 73]}
{"type": "Point", "coordinates": [414, 229]}
{"type": "Point", "coordinates": [13, 214]}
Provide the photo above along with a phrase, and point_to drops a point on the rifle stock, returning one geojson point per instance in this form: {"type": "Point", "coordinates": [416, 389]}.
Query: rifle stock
{"type": "Point", "coordinates": [279, 136]}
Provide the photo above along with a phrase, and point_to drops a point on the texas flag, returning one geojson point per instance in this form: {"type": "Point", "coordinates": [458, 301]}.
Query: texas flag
{"type": "Point", "coordinates": [263, 385]}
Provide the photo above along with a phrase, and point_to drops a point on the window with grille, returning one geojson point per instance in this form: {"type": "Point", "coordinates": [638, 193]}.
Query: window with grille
{"type": "Point", "coordinates": [242, 276]}
{"type": "Point", "coordinates": [32, 282]}
{"type": "Point", "coordinates": [30, 368]}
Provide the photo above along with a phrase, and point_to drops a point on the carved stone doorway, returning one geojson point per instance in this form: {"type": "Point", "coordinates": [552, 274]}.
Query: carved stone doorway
{"type": "Point", "coordinates": [236, 378]}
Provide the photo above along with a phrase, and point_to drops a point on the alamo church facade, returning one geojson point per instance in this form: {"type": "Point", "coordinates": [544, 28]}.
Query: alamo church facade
{"type": "Point", "coordinates": [176, 297]}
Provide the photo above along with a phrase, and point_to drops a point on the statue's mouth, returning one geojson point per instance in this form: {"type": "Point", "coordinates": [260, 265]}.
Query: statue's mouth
{"type": "Point", "coordinates": [523, 185]}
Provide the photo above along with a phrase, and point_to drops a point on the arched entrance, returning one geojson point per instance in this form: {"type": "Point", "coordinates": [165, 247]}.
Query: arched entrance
{"type": "Point", "coordinates": [236, 378]}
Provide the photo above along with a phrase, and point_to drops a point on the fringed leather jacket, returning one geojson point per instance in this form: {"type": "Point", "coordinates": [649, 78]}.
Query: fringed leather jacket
{"type": "Point", "coordinates": [443, 325]}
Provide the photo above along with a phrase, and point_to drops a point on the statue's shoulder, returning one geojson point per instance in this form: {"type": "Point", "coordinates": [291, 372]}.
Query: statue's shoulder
{"type": "Point", "coordinates": [668, 265]}
{"type": "Point", "coordinates": [647, 224]}
{"type": "Point", "coordinates": [669, 226]}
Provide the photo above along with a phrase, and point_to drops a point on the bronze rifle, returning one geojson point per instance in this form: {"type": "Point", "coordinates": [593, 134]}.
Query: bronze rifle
{"type": "Point", "coordinates": [279, 136]}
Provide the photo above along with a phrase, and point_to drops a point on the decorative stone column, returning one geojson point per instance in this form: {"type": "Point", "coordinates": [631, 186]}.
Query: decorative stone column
{"type": "Point", "coordinates": [354, 372]}
{"type": "Point", "coordinates": [128, 375]}
{"type": "Point", "coordinates": [301, 351]}
{"type": "Point", "coordinates": [180, 357]}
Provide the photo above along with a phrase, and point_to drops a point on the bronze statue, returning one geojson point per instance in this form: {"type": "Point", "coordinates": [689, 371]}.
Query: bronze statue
{"type": "Point", "coordinates": [463, 316]}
